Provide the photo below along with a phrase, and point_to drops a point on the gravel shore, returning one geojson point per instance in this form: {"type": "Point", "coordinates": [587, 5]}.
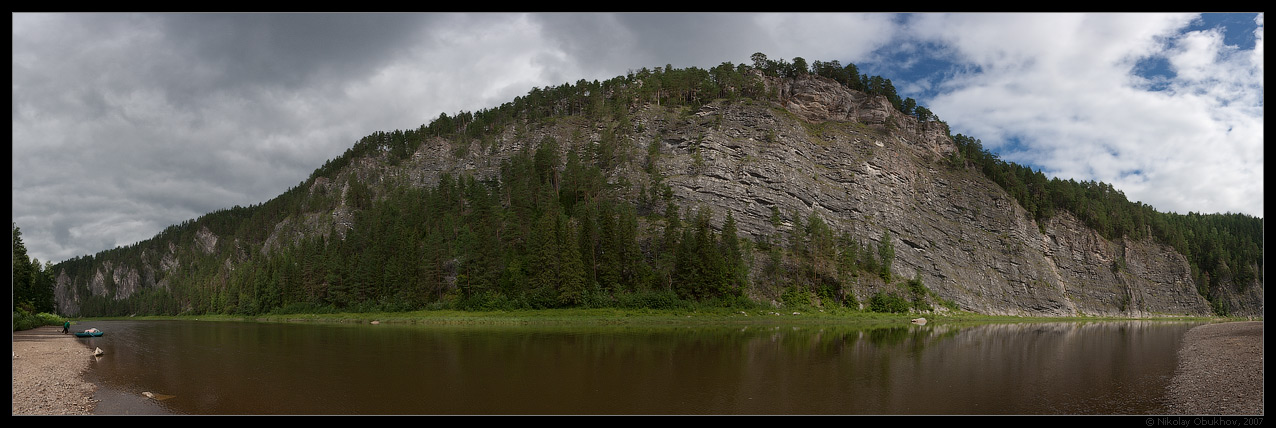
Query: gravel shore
{"type": "Point", "coordinates": [48, 373]}
{"type": "Point", "coordinates": [1220, 371]}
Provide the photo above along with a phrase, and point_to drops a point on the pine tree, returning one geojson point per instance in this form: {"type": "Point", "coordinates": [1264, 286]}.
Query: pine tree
{"type": "Point", "coordinates": [23, 273]}
{"type": "Point", "coordinates": [667, 257]}
{"type": "Point", "coordinates": [886, 250]}
{"type": "Point", "coordinates": [633, 265]}
{"type": "Point", "coordinates": [572, 288]}
{"type": "Point", "coordinates": [737, 272]}
{"type": "Point", "coordinates": [546, 252]}
{"type": "Point", "coordinates": [609, 248]}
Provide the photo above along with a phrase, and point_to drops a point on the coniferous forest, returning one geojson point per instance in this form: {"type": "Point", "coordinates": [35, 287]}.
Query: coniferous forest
{"type": "Point", "coordinates": [554, 231]}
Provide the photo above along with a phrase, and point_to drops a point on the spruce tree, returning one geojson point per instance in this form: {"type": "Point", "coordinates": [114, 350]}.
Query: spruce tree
{"type": "Point", "coordinates": [572, 288]}
{"type": "Point", "coordinates": [23, 273]}
{"type": "Point", "coordinates": [736, 271]}
{"type": "Point", "coordinates": [886, 250]}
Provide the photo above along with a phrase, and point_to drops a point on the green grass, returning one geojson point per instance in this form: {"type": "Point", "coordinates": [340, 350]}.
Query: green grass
{"type": "Point", "coordinates": [614, 316]}
{"type": "Point", "coordinates": [570, 316]}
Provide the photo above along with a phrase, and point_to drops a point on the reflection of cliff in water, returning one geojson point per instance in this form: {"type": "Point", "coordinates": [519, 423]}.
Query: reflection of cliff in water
{"type": "Point", "coordinates": [271, 368]}
{"type": "Point", "coordinates": [1119, 367]}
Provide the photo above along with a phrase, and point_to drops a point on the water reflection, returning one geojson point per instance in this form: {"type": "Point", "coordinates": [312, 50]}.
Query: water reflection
{"type": "Point", "coordinates": [270, 368]}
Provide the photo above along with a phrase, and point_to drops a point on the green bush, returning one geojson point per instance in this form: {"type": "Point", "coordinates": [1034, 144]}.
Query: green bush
{"type": "Point", "coordinates": [919, 291]}
{"type": "Point", "coordinates": [304, 308]}
{"type": "Point", "coordinates": [797, 297]}
{"type": "Point", "coordinates": [730, 302]}
{"type": "Point", "coordinates": [23, 320]}
{"type": "Point", "coordinates": [651, 300]}
{"type": "Point", "coordinates": [831, 296]}
{"type": "Point", "coordinates": [948, 303]}
{"type": "Point", "coordinates": [489, 302]}
{"type": "Point", "coordinates": [850, 301]}
{"type": "Point", "coordinates": [542, 298]}
{"type": "Point", "coordinates": [883, 302]}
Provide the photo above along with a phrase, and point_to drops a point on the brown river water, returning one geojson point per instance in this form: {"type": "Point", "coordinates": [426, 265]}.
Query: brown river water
{"type": "Point", "coordinates": [251, 368]}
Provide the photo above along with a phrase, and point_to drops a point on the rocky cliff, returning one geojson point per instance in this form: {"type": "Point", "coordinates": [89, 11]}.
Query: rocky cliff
{"type": "Point", "coordinates": [817, 148]}
{"type": "Point", "coordinates": [865, 168]}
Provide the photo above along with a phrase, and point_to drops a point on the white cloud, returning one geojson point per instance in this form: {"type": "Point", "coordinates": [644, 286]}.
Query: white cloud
{"type": "Point", "coordinates": [1063, 88]}
{"type": "Point", "coordinates": [825, 36]}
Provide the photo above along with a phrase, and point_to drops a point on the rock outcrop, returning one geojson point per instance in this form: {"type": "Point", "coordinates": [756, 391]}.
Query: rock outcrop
{"type": "Point", "coordinates": [819, 149]}
{"type": "Point", "coordinates": [863, 167]}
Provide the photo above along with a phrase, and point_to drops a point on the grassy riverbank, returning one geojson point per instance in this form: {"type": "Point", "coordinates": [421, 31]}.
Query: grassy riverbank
{"type": "Point", "coordinates": [643, 316]}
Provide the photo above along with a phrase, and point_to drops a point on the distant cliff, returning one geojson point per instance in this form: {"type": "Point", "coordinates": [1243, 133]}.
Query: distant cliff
{"type": "Point", "coordinates": [808, 148]}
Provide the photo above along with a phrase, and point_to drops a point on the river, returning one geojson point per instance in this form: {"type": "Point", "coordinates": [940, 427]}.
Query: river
{"type": "Point", "coordinates": [259, 368]}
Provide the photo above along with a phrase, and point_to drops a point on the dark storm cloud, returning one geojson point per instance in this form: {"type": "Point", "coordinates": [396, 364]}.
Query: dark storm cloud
{"type": "Point", "coordinates": [125, 124]}
{"type": "Point", "coordinates": [637, 40]}
{"type": "Point", "coordinates": [288, 50]}
{"type": "Point", "coordinates": [697, 39]}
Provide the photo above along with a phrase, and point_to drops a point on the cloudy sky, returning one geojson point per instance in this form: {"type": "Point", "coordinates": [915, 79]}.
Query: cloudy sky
{"type": "Point", "coordinates": [124, 124]}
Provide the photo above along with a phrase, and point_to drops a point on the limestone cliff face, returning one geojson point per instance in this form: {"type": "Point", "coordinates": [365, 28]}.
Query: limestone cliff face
{"type": "Point", "coordinates": [865, 168]}
{"type": "Point", "coordinates": [853, 160]}
{"type": "Point", "coordinates": [817, 148]}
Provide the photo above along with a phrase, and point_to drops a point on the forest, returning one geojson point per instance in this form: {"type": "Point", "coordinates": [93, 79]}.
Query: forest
{"type": "Point", "coordinates": [32, 281]}
{"type": "Point", "coordinates": [553, 231]}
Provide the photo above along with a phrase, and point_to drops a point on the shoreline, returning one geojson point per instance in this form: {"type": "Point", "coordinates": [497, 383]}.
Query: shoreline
{"type": "Point", "coordinates": [49, 373]}
{"type": "Point", "coordinates": [1220, 372]}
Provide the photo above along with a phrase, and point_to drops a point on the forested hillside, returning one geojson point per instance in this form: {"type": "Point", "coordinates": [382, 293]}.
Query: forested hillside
{"type": "Point", "coordinates": [562, 198]}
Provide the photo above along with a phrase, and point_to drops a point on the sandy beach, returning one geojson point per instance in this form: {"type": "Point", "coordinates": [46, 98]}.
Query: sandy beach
{"type": "Point", "coordinates": [48, 373]}
{"type": "Point", "coordinates": [1220, 372]}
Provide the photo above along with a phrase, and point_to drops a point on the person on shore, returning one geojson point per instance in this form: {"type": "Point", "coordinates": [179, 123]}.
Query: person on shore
{"type": "Point", "coordinates": [66, 326]}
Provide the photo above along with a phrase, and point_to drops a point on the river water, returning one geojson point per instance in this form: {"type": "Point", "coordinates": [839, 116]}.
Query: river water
{"type": "Point", "coordinates": [252, 368]}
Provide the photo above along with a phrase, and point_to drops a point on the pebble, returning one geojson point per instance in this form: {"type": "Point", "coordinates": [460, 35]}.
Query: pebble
{"type": "Point", "coordinates": [1220, 371]}
{"type": "Point", "coordinates": [48, 369]}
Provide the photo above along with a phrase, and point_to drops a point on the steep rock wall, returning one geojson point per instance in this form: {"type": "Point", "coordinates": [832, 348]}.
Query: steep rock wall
{"type": "Point", "coordinates": [819, 149]}
{"type": "Point", "coordinates": [872, 170]}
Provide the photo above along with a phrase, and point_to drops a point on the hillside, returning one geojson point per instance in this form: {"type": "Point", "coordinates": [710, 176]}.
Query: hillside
{"type": "Point", "coordinates": [736, 182]}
